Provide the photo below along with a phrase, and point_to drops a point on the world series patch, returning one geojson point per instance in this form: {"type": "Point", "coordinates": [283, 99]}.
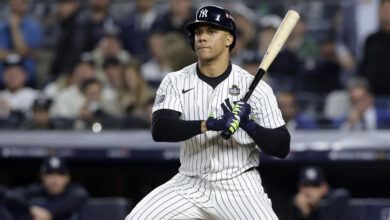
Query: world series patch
{"type": "Point", "coordinates": [234, 90]}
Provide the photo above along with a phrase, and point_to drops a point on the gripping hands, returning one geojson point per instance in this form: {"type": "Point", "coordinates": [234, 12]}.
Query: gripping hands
{"type": "Point", "coordinates": [230, 121]}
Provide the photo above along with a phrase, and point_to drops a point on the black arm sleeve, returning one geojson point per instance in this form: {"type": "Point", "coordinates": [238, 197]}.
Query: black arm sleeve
{"type": "Point", "coordinates": [274, 142]}
{"type": "Point", "coordinates": [72, 201]}
{"type": "Point", "coordinates": [167, 127]}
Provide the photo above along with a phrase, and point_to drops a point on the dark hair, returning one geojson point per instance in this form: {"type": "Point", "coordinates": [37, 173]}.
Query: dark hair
{"type": "Point", "coordinates": [88, 82]}
{"type": "Point", "coordinates": [111, 61]}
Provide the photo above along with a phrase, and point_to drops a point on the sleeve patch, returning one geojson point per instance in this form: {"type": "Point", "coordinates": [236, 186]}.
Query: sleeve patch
{"type": "Point", "coordinates": [159, 99]}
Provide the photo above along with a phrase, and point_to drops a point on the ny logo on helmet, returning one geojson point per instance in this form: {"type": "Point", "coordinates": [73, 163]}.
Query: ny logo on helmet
{"type": "Point", "coordinates": [203, 13]}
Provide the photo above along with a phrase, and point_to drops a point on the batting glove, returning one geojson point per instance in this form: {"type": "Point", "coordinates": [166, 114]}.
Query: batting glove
{"type": "Point", "coordinates": [240, 111]}
{"type": "Point", "coordinates": [216, 124]}
{"type": "Point", "coordinates": [243, 110]}
{"type": "Point", "coordinates": [232, 123]}
{"type": "Point", "coordinates": [248, 125]}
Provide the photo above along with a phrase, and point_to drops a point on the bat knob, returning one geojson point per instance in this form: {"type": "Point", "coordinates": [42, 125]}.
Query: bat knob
{"type": "Point", "coordinates": [225, 134]}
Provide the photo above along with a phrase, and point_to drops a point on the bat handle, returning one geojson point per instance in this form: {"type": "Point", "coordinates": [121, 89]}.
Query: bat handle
{"type": "Point", "coordinates": [225, 134]}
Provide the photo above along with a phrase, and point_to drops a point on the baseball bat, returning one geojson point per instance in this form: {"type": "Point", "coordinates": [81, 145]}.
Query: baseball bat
{"type": "Point", "coordinates": [278, 41]}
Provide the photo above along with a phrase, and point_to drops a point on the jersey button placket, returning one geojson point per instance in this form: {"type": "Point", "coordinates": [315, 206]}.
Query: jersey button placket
{"type": "Point", "coordinates": [213, 108]}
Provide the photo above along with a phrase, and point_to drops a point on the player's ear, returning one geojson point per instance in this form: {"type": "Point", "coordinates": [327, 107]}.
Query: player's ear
{"type": "Point", "coordinates": [229, 40]}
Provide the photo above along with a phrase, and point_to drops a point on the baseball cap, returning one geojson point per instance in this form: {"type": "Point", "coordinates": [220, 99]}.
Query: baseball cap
{"type": "Point", "coordinates": [311, 175]}
{"type": "Point", "coordinates": [54, 165]}
{"type": "Point", "coordinates": [42, 103]}
{"type": "Point", "coordinates": [13, 60]}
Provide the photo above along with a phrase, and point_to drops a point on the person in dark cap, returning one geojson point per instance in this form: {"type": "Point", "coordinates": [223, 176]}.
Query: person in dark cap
{"type": "Point", "coordinates": [41, 117]}
{"type": "Point", "coordinates": [56, 198]}
{"type": "Point", "coordinates": [315, 199]}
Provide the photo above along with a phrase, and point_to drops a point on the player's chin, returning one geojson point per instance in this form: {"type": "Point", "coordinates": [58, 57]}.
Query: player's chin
{"type": "Point", "coordinates": [203, 54]}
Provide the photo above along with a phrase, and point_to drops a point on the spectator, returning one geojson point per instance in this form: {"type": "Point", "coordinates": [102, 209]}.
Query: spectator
{"type": "Point", "coordinates": [364, 115]}
{"type": "Point", "coordinates": [158, 66]}
{"type": "Point", "coordinates": [16, 99]}
{"type": "Point", "coordinates": [22, 35]}
{"type": "Point", "coordinates": [114, 71]}
{"type": "Point", "coordinates": [134, 92]}
{"type": "Point", "coordinates": [320, 16]}
{"type": "Point", "coordinates": [174, 44]}
{"type": "Point", "coordinates": [93, 109]}
{"type": "Point", "coordinates": [109, 46]}
{"type": "Point", "coordinates": [247, 33]}
{"type": "Point", "coordinates": [336, 105]}
{"type": "Point", "coordinates": [52, 89]}
{"type": "Point", "coordinates": [303, 45]}
{"type": "Point", "coordinates": [72, 41]}
{"type": "Point", "coordinates": [97, 19]}
{"type": "Point", "coordinates": [56, 197]}
{"type": "Point", "coordinates": [315, 200]}
{"type": "Point", "coordinates": [358, 20]}
{"type": "Point", "coordinates": [325, 74]}
{"type": "Point", "coordinates": [245, 23]}
{"type": "Point", "coordinates": [137, 27]}
{"type": "Point", "coordinates": [40, 115]}
{"type": "Point", "coordinates": [286, 65]}
{"type": "Point", "coordinates": [290, 112]}
{"type": "Point", "coordinates": [68, 102]}
{"type": "Point", "coordinates": [180, 13]}
{"type": "Point", "coordinates": [250, 62]}
{"type": "Point", "coordinates": [376, 66]}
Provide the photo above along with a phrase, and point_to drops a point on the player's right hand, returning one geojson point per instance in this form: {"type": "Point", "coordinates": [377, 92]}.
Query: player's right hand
{"type": "Point", "coordinates": [220, 123]}
{"type": "Point", "coordinates": [215, 124]}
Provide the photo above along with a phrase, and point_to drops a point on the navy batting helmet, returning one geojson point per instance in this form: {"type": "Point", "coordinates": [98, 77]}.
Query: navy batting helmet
{"type": "Point", "coordinates": [213, 15]}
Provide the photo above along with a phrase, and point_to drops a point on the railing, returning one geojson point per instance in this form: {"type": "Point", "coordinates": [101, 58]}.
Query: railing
{"type": "Point", "coordinates": [328, 145]}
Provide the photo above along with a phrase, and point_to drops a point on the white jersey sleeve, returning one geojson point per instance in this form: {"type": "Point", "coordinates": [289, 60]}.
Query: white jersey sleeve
{"type": "Point", "coordinates": [265, 107]}
{"type": "Point", "coordinates": [167, 96]}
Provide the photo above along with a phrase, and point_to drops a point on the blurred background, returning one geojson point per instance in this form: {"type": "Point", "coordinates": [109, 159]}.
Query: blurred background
{"type": "Point", "coordinates": [78, 78]}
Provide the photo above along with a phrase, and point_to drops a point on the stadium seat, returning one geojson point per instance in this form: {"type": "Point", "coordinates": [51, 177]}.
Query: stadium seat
{"type": "Point", "coordinates": [106, 208]}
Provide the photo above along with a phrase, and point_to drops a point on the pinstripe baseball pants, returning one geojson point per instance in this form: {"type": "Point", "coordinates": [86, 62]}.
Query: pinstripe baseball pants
{"type": "Point", "coordinates": [184, 197]}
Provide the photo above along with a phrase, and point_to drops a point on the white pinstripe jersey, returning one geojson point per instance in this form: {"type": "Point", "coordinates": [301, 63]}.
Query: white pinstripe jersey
{"type": "Point", "coordinates": [208, 155]}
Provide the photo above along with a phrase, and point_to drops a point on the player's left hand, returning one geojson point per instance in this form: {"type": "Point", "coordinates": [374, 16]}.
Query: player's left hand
{"type": "Point", "coordinates": [242, 109]}
{"type": "Point", "coordinates": [240, 114]}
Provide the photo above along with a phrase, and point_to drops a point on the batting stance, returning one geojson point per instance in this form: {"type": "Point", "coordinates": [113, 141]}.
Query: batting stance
{"type": "Point", "coordinates": [217, 178]}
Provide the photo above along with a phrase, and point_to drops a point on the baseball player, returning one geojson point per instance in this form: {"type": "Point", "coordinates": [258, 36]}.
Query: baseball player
{"type": "Point", "coordinates": [217, 178]}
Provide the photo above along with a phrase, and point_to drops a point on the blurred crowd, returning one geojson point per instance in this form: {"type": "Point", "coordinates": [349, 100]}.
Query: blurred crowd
{"type": "Point", "coordinates": [95, 64]}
